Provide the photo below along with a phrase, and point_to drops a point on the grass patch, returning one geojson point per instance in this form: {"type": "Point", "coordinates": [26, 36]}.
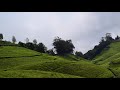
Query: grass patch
{"type": "Point", "coordinates": [33, 74]}
{"type": "Point", "coordinates": [13, 51]}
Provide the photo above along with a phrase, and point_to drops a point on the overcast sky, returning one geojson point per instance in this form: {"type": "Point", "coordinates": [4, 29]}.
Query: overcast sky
{"type": "Point", "coordinates": [85, 29]}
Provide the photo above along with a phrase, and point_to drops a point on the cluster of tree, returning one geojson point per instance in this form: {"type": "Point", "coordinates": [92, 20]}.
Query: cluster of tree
{"type": "Point", "coordinates": [63, 47]}
{"type": "Point", "coordinates": [7, 43]}
{"type": "Point", "coordinates": [117, 38]}
{"type": "Point", "coordinates": [13, 38]}
{"type": "Point", "coordinates": [40, 47]}
{"type": "Point", "coordinates": [103, 44]}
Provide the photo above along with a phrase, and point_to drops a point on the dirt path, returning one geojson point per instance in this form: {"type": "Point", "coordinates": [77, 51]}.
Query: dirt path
{"type": "Point", "coordinates": [19, 56]}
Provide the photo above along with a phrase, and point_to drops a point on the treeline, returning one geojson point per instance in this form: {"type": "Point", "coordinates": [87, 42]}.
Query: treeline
{"type": "Point", "coordinates": [103, 44]}
{"type": "Point", "coordinates": [6, 43]}
{"type": "Point", "coordinates": [63, 47]}
{"type": "Point", "coordinates": [40, 47]}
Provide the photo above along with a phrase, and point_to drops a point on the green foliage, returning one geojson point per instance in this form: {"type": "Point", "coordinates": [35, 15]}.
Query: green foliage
{"type": "Point", "coordinates": [108, 55]}
{"type": "Point", "coordinates": [63, 47]}
{"type": "Point", "coordinates": [7, 43]}
{"type": "Point", "coordinates": [37, 47]}
{"type": "Point", "coordinates": [33, 74]}
{"type": "Point", "coordinates": [33, 64]}
{"type": "Point", "coordinates": [21, 44]}
{"type": "Point", "coordinates": [13, 51]}
{"type": "Point", "coordinates": [104, 44]}
{"type": "Point", "coordinates": [81, 68]}
{"type": "Point", "coordinates": [41, 48]}
{"type": "Point", "coordinates": [79, 54]}
{"type": "Point", "coordinates": [110, 59]}
{"type": "Point", "coordinates": [115, 67]}
{"type": "Point", "coordinates": [29, 45]}
{"type": "Point", "coordinates": [51, 52]}
{"type": "Point", "coordinates": [25, 63]}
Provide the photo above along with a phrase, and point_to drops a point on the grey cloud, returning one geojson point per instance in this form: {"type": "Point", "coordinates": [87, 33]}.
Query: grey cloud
{"type": "Point", "coordinates": [84, 28]}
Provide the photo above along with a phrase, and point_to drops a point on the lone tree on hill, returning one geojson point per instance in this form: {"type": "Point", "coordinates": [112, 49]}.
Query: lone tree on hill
{"type": "Point", "coordinates": [1, 36]}
{"type": "Point", "coordinates": [13, 39]}
{"type": "Point", "coordinates": [63, 47]}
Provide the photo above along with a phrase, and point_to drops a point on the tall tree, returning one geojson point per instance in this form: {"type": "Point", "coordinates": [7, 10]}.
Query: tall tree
{"type": "Point", "coordinates": [35, 41]}
{"type": "Point", "coordinates": [13, 39]}
{"type": "Point", "coordinates": [63, 47]}
{"type": "Point", "coordinates": [1, 36]}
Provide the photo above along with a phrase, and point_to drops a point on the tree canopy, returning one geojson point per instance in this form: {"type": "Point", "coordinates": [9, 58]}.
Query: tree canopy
{"type": "Point", "coordinates": [105, 41]}
{"type": "Point", "coordinates": [79, 54]}
{"type": "Point", "coordinates": [63, 47]}
{"type": "Point", "coordinates": [41, 48]}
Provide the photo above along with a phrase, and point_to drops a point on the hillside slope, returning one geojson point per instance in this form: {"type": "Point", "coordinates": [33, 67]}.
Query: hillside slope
{"type": "Point", "coordinates": [107, 55]}
{"type": "Point", "coordinates": [20, 62]}
{"type": "Point", "coordinates": [110, 58]}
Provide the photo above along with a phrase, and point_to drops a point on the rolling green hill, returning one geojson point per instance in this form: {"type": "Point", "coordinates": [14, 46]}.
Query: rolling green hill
{"type": "Point", "coordinates": [14, 51]}
{"type": "Point", "coordinates": [107, 55]}
{"type": "Point", "coordinates": [110, 58]}
{"type": "Point", "coordinates": [18, 62]}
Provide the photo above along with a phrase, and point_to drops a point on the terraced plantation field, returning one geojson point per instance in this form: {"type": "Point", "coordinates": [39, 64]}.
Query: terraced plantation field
{"type": "Point", "coordinates": [25, 63]}
{"type": "Point", "coordinates": [13, 51]}
{"type": "Point", "coordinates": [110, 59]}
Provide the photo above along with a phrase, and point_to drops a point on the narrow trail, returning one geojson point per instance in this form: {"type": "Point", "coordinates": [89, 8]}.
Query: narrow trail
{"type": "Point", "coordinates": [112, 73]}
{"type": "Point", "coordinates": [19, 56]}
